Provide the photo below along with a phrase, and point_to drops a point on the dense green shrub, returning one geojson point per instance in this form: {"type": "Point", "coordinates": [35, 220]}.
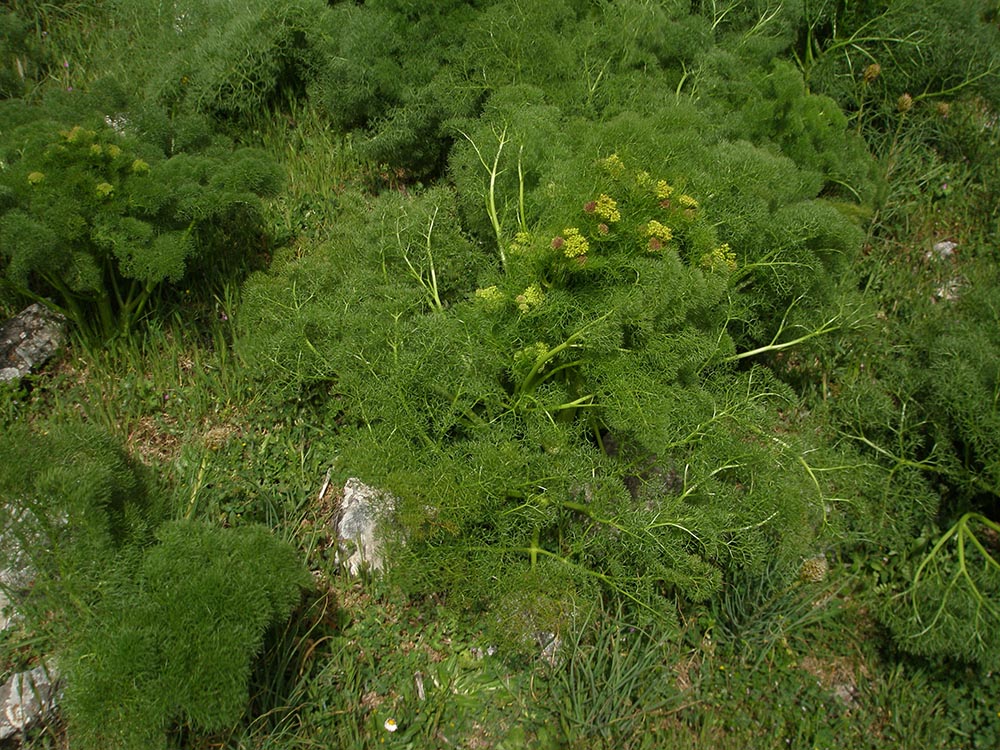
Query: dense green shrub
{"type": "Point", "coordinates": [577, 418]}
{"type": "Point", "coordinates": [232, 59]}
{"type": "Point", "coordinates": [70, 498]}
{"type": "Point", "coordinates": [171, 642]}
{"type": "Point", "coordinates": [154, 623]}
{"type": "Point", "coordinates": [929, 50]}
{"type": "Point", "coordinates": [917, 397]}
{"type": "Point", "coordinates": [100, 214]}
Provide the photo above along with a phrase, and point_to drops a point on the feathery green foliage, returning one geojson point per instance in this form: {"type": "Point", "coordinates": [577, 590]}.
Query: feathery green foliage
{"type": "Point", "coordinates": [170, 643]}
{"type": "Point", "coordinates": [103, 213]}
{"type": "Point", "coordinates": [574, 420]}
{"type": "Point", "coordinates": [155, 623]}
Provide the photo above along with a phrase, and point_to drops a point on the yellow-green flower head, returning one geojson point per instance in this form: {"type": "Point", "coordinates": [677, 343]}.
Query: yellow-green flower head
{"type": "Point", "coordinates": [490, 295]}
{"type": "Point", "coordinates": [113, 151]}
{"type": "Point", "coordinates": [658, 230]}
{"type": "Point", "coordinates": [687, 201]}
{"type": "Point", "coordinates": [104, 189]}
{"type": "Point", "coordinates": [613, 165]}
{"type": "Point", "coordinates": [659, 235]}
{"type": "Point", "coordinates": [530, 298]}
{"type": "Point", "coordinates": [36, 178]}
{"type": "Point", "coordinates": [139, 167]}
{"type": "Point", "coordinates": [521, 243]}
{"type": "Point", "coordinates": [95, 149]}
{"type": "Point", "coordinates": [606, 208]}
{"type": "Point", "coordinates": [663, 190]}
{"type": "Point", "coordinates": [643, 179]}
{"type": "Point", "coordinates": [721, 259]}
{"type": "Point", "coordinates": [573, 243]}
{"type": "Point", "coordinates": [77, 133]}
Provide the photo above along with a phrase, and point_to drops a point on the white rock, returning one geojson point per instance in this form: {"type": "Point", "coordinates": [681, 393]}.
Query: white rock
{"type": "Point", "coordinates": [27, 698]}
{"type": "Point", "coordinates": [362, 512]}
{"type": "Point", "coordinates": [943, 250]}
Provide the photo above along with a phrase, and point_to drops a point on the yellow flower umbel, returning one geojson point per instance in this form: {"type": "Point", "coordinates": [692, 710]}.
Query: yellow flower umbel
{"type": "Point", "coordinates": [521, 243]}
{"type": "Point", "coordinates": [606, 208]}
{"type": "Point", "coordinates": [687, 201]}
{"type": "Point", "coordinates": [663, 190]}
{"type": "Point", "coordinates": [527, 357]}
{"type": "Point", "coordinates": [659, 235]}
{"type": "Point", "coordinates": [104, 189]}
{"type": "Point", "coordinates": [139, 167]}
{"type": "Point", "coordinates": [77, 133]}
{"type": "Point", "coordinates": [530, 298]}
{"type": "Point", "coordinates": [490, 295]}
{"type": "Point", "coordinates": [721, 259]}
{"type": "Point", "coordinates": [572, 243]}
{"type": "Point", "coordinates": [36, 178]}
{"type": "Point", "coordinates": [613, 165]}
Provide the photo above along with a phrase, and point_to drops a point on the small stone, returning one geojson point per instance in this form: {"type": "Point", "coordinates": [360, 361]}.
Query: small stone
{"type": "Point", "coordinates": [26, 699]}
{"type": "Point", "coordinates": [943, 249]}
{"type": "Point", "coordinates": [362, 510]}
{"type": "Point", "coordinates": [29, 339]}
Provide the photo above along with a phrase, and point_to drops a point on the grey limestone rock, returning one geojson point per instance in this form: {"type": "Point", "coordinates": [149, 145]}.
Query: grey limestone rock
{"type": "Point", "coordinates": [29, 339]}
{"type": "Point", "coordinates": [358, 523]}
{"type": "Point", "coordinates": [26, 699]}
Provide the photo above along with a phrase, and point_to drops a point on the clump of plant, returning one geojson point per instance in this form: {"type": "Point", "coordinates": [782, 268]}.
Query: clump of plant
{"type": "Point", "coordinates": [231, 62]}
{"type": "Point", "coordinates": [924, 419]}
{"type": "Point", "coordinates": [98, 219]}
{"type": "Point", "coordinates": [952, 583]}
{"type": "Point", "coordinates": [24, 59]}
{"type": "Point", "coordinates": [154, 623]}
{"type": "Point", "coordinates": [580, 421]}
{"type": "Point", "coordinates": [171, 642]}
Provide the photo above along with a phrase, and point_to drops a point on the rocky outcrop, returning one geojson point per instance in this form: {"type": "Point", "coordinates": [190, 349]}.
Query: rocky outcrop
{"type": "Point", "coordinates": [358, 526]}
{"type": "Point", "coordinates": [29, 339]}
{"type": "Point", "coordinates": [27, 699]}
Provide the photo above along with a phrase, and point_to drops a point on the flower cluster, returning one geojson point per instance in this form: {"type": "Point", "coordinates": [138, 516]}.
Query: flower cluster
{"type": "Point", "coordinates": [490, 295]}
{"type": "Point", "coordinates": [521, 243]}
{"type": "Point", "coordinates": [721, 258]}
{"type": "Point", "coordinates": [663, 190]}
{"type": "Point", "coordinates": [75, 133]}
{"type": "Point", "coordinates": [529, 355]}
{"type": "Point", "coordinates": [613, 165]}
{"type": "Point", "coordinates": [658, 234]}
{"type": "Point", "coordinates": [605, 207]}
{"type": "Point", "coordinates": [530, 298]}
{"type": "Point", "coordinates": [571, 242]}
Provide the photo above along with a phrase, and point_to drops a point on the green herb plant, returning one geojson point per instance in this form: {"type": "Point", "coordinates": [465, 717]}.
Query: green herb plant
{"type": "Point", "coordinates": [98, 221]}
{"type": "Point", "coordinates": [154, 623]}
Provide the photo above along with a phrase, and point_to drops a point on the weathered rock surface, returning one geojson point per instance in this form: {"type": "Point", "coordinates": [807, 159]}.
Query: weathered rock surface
{"type": "Point", "coordinates": [358, 520]}
{"type": "Point", "coordinates": [26, 699]}
{"type": "Point", "coordinates": [29, 339]}
{"type": "Point", "coordinates": [16, 573]}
